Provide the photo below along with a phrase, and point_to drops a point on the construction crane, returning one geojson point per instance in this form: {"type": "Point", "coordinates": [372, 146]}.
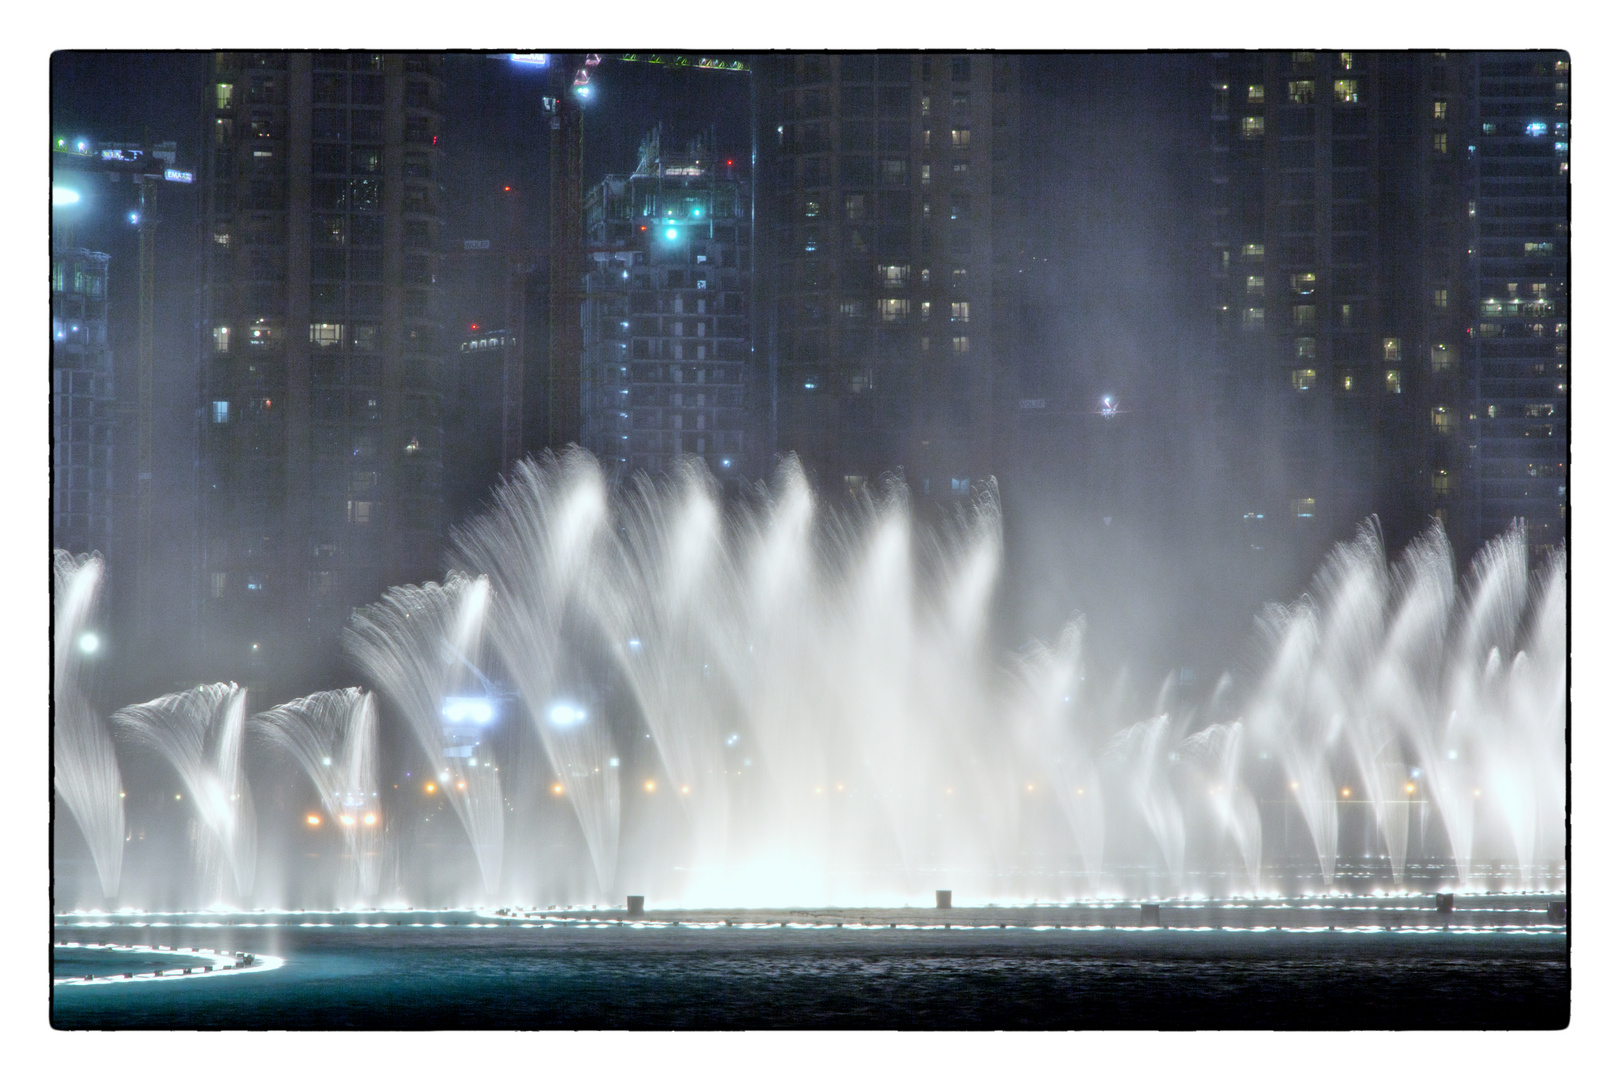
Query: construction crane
{"type": "Point", "coordinates": [569, 83]}
{"type": "Point", "coordinates": [148, 167]}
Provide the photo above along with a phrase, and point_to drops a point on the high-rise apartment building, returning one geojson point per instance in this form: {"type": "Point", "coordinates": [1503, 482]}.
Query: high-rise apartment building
{"type": "Point", "coordinates": [666, 315]}
{"type": "Point", "coordinates": [1340, 262]}
{"type": "Point", "coordinates": [82, 419]}
{"type": "Point", "coordinates": [321, 383]}
{"type": "Point", "coordinates": [1519, 413]}
{"type": "Point", "coordinates": [887, 234]}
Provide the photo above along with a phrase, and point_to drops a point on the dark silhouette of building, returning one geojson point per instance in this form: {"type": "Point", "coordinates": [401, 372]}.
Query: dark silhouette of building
{"type": "Point", "coordinates": [82, 402]}
{"type": "Point", "coordinates": [1519, 357]}
{"type": "Point", "coordinates": [1340, 267]}
{"type": "Point", "coordinates": [886, 294]}
{"type": "Point", "coordinates": [666, 317]}
{"type": "Point", "coordinates": [322, 440]}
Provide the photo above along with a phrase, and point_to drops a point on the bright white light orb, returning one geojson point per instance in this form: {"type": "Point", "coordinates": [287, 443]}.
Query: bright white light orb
{"type": "Point", "coordinates": [565, 714]}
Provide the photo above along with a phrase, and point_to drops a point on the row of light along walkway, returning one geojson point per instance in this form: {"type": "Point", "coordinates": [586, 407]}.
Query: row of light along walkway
{"type": "Point", "coordinates": [1441, 911]}
{"type": "Point", "coordinates": [207, 962]}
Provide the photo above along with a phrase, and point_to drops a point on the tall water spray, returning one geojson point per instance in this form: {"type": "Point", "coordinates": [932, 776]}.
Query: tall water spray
{"type": "Point", "coordinates": [1419, 699]}
{"type": "Point", "coordinates": [539, 547]}
{"type": "Point", "coordinates": [199, 732]}
{"type": "Point", "coordinates": [422, 645]}
{"type": "Point", "coordinates": [86, 773]}
{"type": "Point", "coordinates": [332, 736]}
{"type": "Point", "coordinates": [777, 702]}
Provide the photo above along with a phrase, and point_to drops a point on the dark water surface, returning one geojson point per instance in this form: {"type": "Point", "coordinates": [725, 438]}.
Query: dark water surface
{"type": "Point", "coordinates": [684, 977]}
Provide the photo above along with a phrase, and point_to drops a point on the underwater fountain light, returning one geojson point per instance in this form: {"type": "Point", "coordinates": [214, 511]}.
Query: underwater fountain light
{"type": "Point", "coordinates": [89, 642]}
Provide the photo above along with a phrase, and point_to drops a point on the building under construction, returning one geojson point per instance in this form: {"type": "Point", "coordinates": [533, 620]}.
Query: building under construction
{"type": "Point", "coordinates": [666, 315]}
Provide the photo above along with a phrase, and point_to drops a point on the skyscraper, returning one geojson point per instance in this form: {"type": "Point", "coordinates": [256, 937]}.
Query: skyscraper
{"type": "Point", "coordinates": [321, 444]}
{"type": "Point", "coordinates": [1519, 417]}
{"type": "Point", "coordinates": [1339, 253]}
{"type": "Point", "coordinates": [82, 419]}
{"type": "Point", "coordinates": [887, 229]}
{"type": "Point", "coordinates": [666, 315]}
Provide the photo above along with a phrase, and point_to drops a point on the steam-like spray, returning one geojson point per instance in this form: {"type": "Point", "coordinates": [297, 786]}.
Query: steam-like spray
{"type": "Point", "coordinates": [86, 767]}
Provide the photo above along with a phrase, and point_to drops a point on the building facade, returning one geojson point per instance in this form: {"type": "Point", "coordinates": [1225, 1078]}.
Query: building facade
{"type": "Point", "coordinates": [1340, 252]}
{"type": "Point", "coordinates": [1519, 209]}
{"type": "Point", "coordinates": [82, 402]}
{"type": "Point", "coordinates": [321, 379]}
{"type": "Point", "coordinates": [888, 218]}
{"type": "Point", "coordinates": [665, 317]}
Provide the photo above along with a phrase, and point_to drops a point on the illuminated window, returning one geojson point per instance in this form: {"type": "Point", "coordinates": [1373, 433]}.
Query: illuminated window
{"type": "Point", "coordinates": [1254, 319]}
{"type": "Point", "coordinates": [812, 208]}
{"type": "Point", "coordinates": [893, 309]}
{"type": "Point", "coordinates": [224, 95]}
{"type": "Point", "coordinates": [1442, 298]}
{"type": "Point", "coordinates": [1392, 348]}
{"type": "Point", "coordinates": [359, 512]}
{"type": "Point", "coordinates": [1392, 381]}
{"type": "Point", "coordinates": [1443, 483]}
{"type": "Point", "coordinates": [959, 344]}
{"type": "Point", "coordinates": [324, 335]}
{"type": "Point", "coordinates": [1303, 283]}
{"type": "Point", "coordinates": [1347, 61]}
{"type": "Point", "coordinates": [222, 412]}
{"type": "Point", "coordinates": [1304, 508]}
{"type": "Point", "coordinates": [1443, 419]}
{"type": "Point", "coordinates": [1346, 313]}
{"type": "Point", "coordinates": [1441, 359]}
{"type": "Point", "coordinates": [927, 173]}
{"type": "Point", "coordinates": [1347, 383]}
{"type": "Point", "coordinates": [1440, 146]}
{"type": "Point", "coordinates": [1304, 316]}
{"type": "Point", "coordinates": [928, 139]}
{"type": "Point", "coordinates": [924, 310]}
{"type": "Point", "coordinates": [959, 311]}
{"type": "Point", "coordinates": [959, 138]}
{"type": "Point", "coordinates": [1439, 110]}
{"type": "Point", "coordinates": [1257, 94]}
{"type": "Point", "coordinates": [958, 277]}
{"type": "Point", "coordinates": [1254, 251]}
{"type": "Point", "coordinates": [222, 132]}
{"type": "Point", "coordinates": [222, 339]}
{"type": "Point", "coordinates": [925, 275]}
{"type": "Point", "coordinates": [1302, 91]}
{"type": "Point", "coordinates": [894, 277]}
{"type": "Point", "coordinates": [1254, 127]}
{"type": "Point", "coordinates": [217, 584]}
{"type": "Point", "coordinates": [1303, 378]}
{"type": "Point", "coordinates": [925, 102]}
{"type": "Point", "coordinates": [1257, 285]}
{"type": "Point", "coordinates": [1346, 91]}
{"type": "Point", "coordinates": [1304, 348]}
